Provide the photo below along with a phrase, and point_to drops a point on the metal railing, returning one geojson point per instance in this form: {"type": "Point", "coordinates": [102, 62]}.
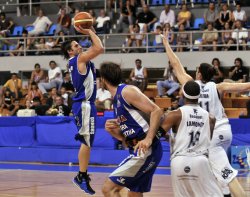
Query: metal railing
{"type": "Point", "coordinates": [116, 43]}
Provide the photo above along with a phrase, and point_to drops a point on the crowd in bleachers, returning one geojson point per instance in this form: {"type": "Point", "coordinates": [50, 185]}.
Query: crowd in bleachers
{"type": "Point", "coordinates": [137, 19]}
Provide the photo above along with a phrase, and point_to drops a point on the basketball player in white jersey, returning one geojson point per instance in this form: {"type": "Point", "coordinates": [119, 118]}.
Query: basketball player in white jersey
{"type": "Point", "coordinates": [210, 100]}
{"type": "Point", "coordinates": [192, 129]}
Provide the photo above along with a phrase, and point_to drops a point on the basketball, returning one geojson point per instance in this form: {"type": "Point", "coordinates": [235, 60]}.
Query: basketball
{"type": "Point", "coordinates": [83, 20]}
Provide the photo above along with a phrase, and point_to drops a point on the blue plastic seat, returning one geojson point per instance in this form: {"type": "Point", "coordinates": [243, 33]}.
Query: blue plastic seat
{"type": "Point", "coordinates": [198, 22]}
{"type": "Point", "coordinates": [170, 1]}
{"type": "Point", "coordinates": [18, 30]}
{"type": "Point", "coordinates": [29, 28]}
{"type": "Point", "coordinates": [156, 2]}
{"type": "Point", "coordinates": [52, 30]}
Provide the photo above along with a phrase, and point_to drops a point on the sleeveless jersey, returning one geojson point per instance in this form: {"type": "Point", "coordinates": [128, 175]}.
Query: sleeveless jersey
{"type": "Point", "coordinates": [84, 84]}
{"type": "Point", "coordinates": [132, 123]}
{"type": "Point", "coordinates": [193, 135]}
{"type": "Point", "coordinates": [139, 73]}
{"type": "Point", "coordinates": [210, 101]}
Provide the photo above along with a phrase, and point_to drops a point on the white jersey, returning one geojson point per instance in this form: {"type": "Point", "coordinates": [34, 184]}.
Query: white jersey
{"type": "Point", "coordinates": [139, 73]}
{"type": "Point", "coordinates": [193, 135]}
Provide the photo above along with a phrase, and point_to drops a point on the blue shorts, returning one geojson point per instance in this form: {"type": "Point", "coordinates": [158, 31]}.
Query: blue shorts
{"type": "Point", "coordinates": [136, 173]}
{"type": "Point", "coordinates": [85, 116]}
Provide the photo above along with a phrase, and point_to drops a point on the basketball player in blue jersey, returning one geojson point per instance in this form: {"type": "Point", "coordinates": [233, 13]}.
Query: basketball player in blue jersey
{"type": "Point", "coordinates": [137, 123]}
{"type": "Point", "coordinates": [83, 75]}
{"type": "Point", "coordinates": [210, 100]}
{"type": "Point", "coordinates": [191, 130]}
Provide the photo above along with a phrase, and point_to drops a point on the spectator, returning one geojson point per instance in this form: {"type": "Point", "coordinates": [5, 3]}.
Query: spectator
{"type": "Point", "coordinates": [59, 40]}
{"type": "Point", "coordinates": [239, 36]}
{"type": "Point", "coordinates": [184, 17]}
{"type": "Point", "coordinates": [72, 30]}
{"type": "Point", "coordinates": [59, 109]}
{"type": "Point", "coordinates": [6, 25]}
{"type": "Point", "coordinates": [225, 16]}
{"type": "Point", "coordinates": [146, 19]}
{"type": "Point", "coordinates": [64, 95]}
{"type": "Point", "coordinates": [92, 13]}
{"type": "Point", "coordinates": [128, 13]}
{"type": "Point", "coordinates": [183, 38]}
{"type": "Point", "coordinates": [219, 71]}
{"type": "Point", "coordinates": [238, 72]}
{"type": "Point", "coordinates": [247, 115]}
{"type": "Point", "coordinates": [239, 15]}
{"type": "Point", "coordinates": [51, 100]}
{"type": "Point", "coordinates": [38, 107]}
{"type": "Point", "coordinates": [210, 37]}
{"type": "Point", "coordinates": [139, 76]}
{"type": "Point", "coordinates": [16, 107]}
{"type": "Point", "coordinates": [40, 45]}
{"type": "Point", "coordinates": [41, 25]}
{"type": "Point", "coordinates": [168, 28]}
{"type": "Point", "coordinates": [14, 85]}
{"type": "Point", "coordinates": [55, 78]}
{"type": "Point", "coordinates": [34, 92]}
{"type": "Point", "coordinates": [7, 100]}
{"type": "Point", "coordinates": [211, 15]}
{"type": "Point", "coordinates": [226, 36]}
{"type": "Point", "coordinates": [135, 36]}
{"type": "Point", "coordinates": [167, 16]}
{"type": "Point", "coordinates": [158, 39]}
{"type": "Point", "coordinates": [63, 22]}
{"type": "Point", "coordinates": [37, 75]}
{"type": "Point", "coordinates": [103, 99]}
{"type": "Point", "coordinates": [170, 83]}
{"type": "Point", "coordinates": [67, 83]}
{"type": "Point", "coordinates": [22, 44]}
{"type": "Point", "coordinates": [103, 23]}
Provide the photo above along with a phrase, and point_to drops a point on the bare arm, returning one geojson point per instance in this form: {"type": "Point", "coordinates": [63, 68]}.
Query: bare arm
{"type": "Point", "coordinates": [172, 120]}
{"type": "Point", "coordinates": [180, 72]}
{"type": "Point", "coordinates": [145, 73]}
{"type": "Point", "coordinates": [95, 50]}
{"type": "Point", "coordinates": [212, 121]}
{"type": "Point", "coordinates": [135, 97]}
{"type": "Point", "coordinates": [113, 128]}
{"type": "Point", "coordinates": [232, 87]}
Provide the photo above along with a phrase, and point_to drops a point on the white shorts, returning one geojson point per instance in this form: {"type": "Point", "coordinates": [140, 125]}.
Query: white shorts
{"type": "Point", "coordinates": [221, 167]}
{"type": "Point", "coordinates": [192, 177]}
{"type": "Point", "coordinates": [222, 135]}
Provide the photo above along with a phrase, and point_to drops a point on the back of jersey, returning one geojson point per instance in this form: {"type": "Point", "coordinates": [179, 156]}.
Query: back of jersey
{"type": "Point", "coordinates": [210, 101]}
{"type": "Point", "coordinates": [193, 135]}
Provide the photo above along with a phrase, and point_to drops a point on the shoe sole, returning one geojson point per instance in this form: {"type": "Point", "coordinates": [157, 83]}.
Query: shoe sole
{"type": "Point", "coordinates": [81, 188]}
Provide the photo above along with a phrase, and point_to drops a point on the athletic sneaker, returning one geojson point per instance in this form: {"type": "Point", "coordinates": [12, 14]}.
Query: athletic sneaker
{"type": "Point", "coordinates": [83, 184]}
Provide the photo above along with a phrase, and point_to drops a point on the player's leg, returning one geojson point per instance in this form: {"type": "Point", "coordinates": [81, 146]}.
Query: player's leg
{"type": "Point", "coordinates": [134, 194]}
{"type": "Point", "coordinates": [83, 156]}
{"type": "Point", "coordinates": [236, 189]}
{"type": "Point", "coordinates": [110, 189]}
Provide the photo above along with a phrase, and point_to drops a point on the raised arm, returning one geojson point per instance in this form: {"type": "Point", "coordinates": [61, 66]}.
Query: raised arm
{"type": "Point", "coordinates": [180, 72]}
{"type": "Point", "coordinates": [95, 50]}
{"type": "Point", "coordinates": [233, 87]}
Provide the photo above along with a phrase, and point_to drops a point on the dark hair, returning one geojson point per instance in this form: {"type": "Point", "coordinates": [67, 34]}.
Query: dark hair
{"type": "Point", "coordinates": [13, 74]}
{"type": "Point", "coordinates": [37, 65]}
{"type": "Point", "coordinates": [240, 60]}
{"type": "Point", "coordinates": [238, 3]}
{"type": "Point", "coordinates": [138, 60]}
{"type": "Point", "coordinates": [207, 72]}
{"type": "Point", "coordinates": [2, 14]}
{"type": "Point", "coordinates": [25, 31]}
{"type": "Point", "coordinates": [34, 83]}
{"type": "Point", "coordinates": [111, 72]}
{"type": "Point", "coordinates": [52, 62]}
{"type": "Point", "coordinates": [36, 99]}
{"type": "Point", "coordinates": [66, 46]}
{"type": "Point", "coordinates": [216, 59]}
{"type": "Point", "coordinates": [191, 88]}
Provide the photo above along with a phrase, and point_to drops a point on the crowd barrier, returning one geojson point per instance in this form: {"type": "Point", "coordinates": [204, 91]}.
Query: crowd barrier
{"type": "Point", "coordinates": [51, 139]}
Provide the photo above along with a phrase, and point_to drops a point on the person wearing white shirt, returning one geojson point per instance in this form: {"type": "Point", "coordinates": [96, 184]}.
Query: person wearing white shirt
{"type": "Point", "coordinates": [102, 22]}
{"type": "Point", "coordinates": [41, 24]}
{"type": "Point", "coordinates": [167, 16]}
{"type": "Point", "coordinates": [103, 99]}
{"type": "Point", "coordinates": [239, 14]}
{"type": "Point", "coordinates": [239, 35]}
{"type": "Point", "coordinates": [55, 78]}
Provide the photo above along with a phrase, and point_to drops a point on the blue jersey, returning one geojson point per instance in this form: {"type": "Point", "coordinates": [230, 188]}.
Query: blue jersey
{"type": "Point", "coordinates": [84, 85]}
{"type": "Point", "coordinates": [132, 123]}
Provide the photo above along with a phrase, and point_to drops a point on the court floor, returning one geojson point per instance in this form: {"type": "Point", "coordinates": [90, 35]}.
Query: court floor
{"type": "Point", "coordinates": [47, 180]}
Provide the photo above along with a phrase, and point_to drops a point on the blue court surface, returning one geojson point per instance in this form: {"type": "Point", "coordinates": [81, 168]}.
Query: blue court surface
{"type": "Point", "coordinates": [74, 168]}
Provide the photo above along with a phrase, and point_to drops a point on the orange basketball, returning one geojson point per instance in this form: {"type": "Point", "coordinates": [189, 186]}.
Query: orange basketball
{"type": "Point", "coordinates": [83, 19]}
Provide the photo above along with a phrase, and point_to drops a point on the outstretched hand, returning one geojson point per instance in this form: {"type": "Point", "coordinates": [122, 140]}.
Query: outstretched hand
{"type": "Point", "coordinates": [164, 37]}
{"type": "Point", "coordinates": [142, 146]}
{"type": "Point", "coordinates": [84, 31]}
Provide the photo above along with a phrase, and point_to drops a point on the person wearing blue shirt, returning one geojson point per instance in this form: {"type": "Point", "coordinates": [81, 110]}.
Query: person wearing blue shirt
{"type": "Point", "coordinates": [83, 75]}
